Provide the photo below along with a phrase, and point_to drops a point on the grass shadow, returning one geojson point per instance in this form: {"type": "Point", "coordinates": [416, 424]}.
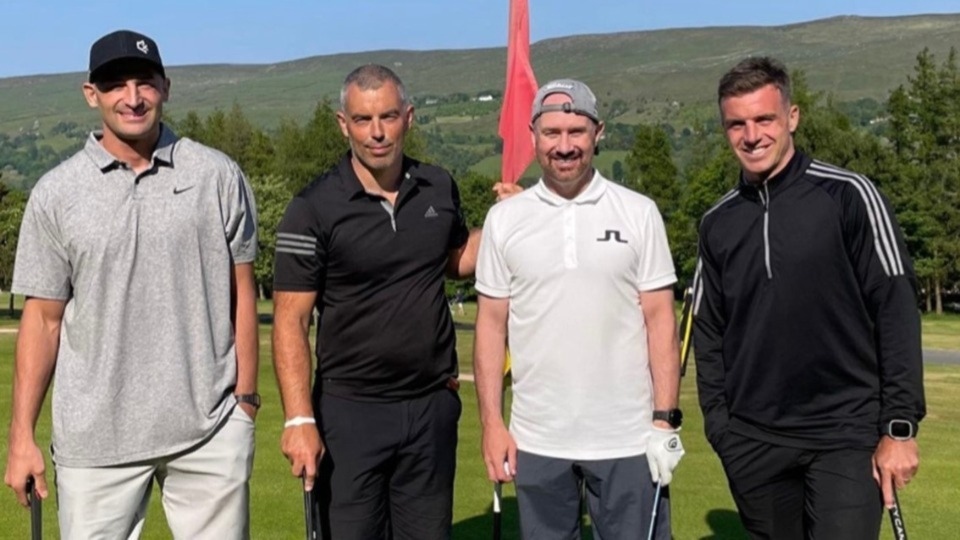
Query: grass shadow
{"type": "Point", "coordinates": [724, 525]}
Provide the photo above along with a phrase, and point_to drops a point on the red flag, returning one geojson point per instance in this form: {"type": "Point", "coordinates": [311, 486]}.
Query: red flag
{"type": "Point", "coordinates": [518, 96]}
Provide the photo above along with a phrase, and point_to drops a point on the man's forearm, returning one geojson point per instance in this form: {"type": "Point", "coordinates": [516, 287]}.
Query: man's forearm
{"type": "Point", "coordinates": [292, 364]}
{"type": "Point", "coordinates": [246, 330]}
{"type": "Point", "coordinates": [37, 343]}
{"type": "Point", "coordinates": [664, 353]}
{"type": "Point", "coordinates": [489, 356]}
{"type": "Point", "coordinates": [663, 348]}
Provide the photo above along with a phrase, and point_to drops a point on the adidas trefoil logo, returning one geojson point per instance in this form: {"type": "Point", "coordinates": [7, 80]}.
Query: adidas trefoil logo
{"type": "Point", "coordinates": [431, 213]}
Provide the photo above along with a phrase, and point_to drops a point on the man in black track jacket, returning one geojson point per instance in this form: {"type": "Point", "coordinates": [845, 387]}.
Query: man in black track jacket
{"type": "Point", "coordinates": [807, 332]}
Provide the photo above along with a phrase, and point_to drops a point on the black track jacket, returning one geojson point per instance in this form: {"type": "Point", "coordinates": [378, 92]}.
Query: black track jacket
{"type": "Point", "coordinates": [807, 329]}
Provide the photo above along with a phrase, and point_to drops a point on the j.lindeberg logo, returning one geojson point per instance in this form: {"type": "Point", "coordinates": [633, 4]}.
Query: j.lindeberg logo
{"type": "Point", "coordinates": [610, 234]}
{"type": "Point", "coordinates": [431, 213]}
{"type": "Point", "coordinates": [143, 47]}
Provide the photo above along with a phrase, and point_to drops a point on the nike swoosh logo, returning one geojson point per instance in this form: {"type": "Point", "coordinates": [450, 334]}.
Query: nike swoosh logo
{"type": "Point", "coordinates": [177, 191]}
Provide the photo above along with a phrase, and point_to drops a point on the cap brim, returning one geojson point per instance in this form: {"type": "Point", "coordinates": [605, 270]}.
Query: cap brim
{"type": "Point", "coordinates": [124, 65]}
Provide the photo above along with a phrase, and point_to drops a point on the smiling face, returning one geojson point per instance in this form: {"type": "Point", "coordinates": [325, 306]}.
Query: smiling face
{"type": "Point", "coordinates": [130, 98]}
{"type": "Point", "coordinates": [565, 143]}
{"type": "Point", "coordinates": [759, 126]}
{"type": "Point", "coordinates": [375, 121]}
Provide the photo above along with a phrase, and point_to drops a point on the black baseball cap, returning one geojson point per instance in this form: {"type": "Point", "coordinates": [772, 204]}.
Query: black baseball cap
{"type": "Point", "coordinates": [123, 45]}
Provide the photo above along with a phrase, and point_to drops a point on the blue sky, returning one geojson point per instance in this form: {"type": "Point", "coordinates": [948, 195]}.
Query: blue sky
{"type": "Point", "coordinates": [54, 36]}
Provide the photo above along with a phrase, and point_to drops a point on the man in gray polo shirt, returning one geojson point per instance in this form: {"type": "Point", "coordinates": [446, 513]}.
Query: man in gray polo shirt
{"type": "Point", "coordinates": [135, 256]}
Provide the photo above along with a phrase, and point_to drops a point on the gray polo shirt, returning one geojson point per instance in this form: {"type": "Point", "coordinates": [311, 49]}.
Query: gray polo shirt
{"type": "Point", "coordinates": [147, 361]}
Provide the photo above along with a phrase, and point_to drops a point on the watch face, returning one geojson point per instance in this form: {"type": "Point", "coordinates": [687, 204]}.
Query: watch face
{"type": "Point", "coordinates": [674, 417]}
{"type": "Point", "coordinates": [901, 429]}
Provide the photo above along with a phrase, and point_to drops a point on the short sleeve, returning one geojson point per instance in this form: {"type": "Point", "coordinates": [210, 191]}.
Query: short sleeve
{"type": "Point", "coordinates": [240, 217]}
{"type": "Point", "coordinates": [300, 255]}
{"type": "Point", "coordinates": [656, 264]}
{"type": "Point", "coordinates": [42, 266]}
{"type": "Point", "coordinates": [493, 275]}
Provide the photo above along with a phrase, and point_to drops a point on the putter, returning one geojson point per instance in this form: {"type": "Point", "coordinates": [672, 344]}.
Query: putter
{"type": "Point", "coordinates": [653, 515]}
{"type": "Point", "coordinates": [896, 519]}
{"type": "Point", "coordinates": [310, 512]}
{"type": "Point", "coordinates": [36, 510]}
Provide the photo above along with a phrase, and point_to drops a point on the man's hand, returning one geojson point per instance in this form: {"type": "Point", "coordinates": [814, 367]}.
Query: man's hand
{"type": "Point", "coordinates": [664, 451]}
{"type": "Point", "coordinates": [894, 465]}
{"type": "Point", "coordinates": [249, 409]}
{"type": "Point", "coordinates": [504, 191]}
{"type": "Point", "coordinates": [499, 453]}
{"type": "Point", "coordinates": [23, 461]}
{"type": "Point", "coordinates": [304, 449]}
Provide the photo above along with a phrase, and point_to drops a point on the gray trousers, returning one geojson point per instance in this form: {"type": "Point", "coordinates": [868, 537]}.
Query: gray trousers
{"type": "Point", "coordinates": [619, 494]}
{"type": "Point", "coordinates": [205, 491]}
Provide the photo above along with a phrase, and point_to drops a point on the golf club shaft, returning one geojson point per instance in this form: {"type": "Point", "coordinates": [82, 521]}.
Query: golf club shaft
{"type": "Point", "coordinates": [653, 515]}
{"type": "Point", "coordinates": [896, 519]}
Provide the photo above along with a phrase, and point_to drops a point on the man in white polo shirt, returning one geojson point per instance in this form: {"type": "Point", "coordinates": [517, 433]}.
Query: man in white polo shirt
{"type": "Point", "coordinates": [595, 379]}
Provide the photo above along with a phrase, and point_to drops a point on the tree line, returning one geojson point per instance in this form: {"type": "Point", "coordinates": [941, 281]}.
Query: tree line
{"type": "Point", "coordinates": [911, 153]}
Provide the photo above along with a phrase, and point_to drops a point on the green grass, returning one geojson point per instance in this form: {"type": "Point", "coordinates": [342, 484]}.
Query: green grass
{"type": "Point", "coordinates": [702, 507]}
{"type": "Point", "coordinates": [941, 331]}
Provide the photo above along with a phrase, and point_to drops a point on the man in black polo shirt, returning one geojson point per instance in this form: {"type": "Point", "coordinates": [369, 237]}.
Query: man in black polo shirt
{"type": "Point", "coordinates": [367, 244]}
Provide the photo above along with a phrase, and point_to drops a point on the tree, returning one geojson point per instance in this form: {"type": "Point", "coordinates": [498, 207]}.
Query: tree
{"type": "Point", "coordinates": [651, 171]}
{"type": "Point", "coordinates": [712, 171]}
{"type": "Point", "coordinates": [925, 135]}
{"type": "Point", "coordinates": [302, 154]}
{"type": "Point", "coordinates": [12, 205]}
{"type": "Point", "coordinates": [617, 172]}
{"type": "Point", "coordinates": [650, 168]}
{"type": "Point", "coordinates": [272, 193]}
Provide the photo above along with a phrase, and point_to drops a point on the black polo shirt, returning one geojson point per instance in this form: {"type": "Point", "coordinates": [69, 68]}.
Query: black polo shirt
{"type": "Point", "coordinates": [385, 330]}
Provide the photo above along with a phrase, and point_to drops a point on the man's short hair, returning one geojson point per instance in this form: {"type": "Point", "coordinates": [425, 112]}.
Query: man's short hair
{"type": "Point", "coordinates": [752, 74]}
{"type": "Point", "coordinates": [371, 77]}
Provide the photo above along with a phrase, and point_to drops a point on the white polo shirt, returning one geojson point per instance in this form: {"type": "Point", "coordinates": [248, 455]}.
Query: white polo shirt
{"type": "Point", "coordinates": [572, 270]}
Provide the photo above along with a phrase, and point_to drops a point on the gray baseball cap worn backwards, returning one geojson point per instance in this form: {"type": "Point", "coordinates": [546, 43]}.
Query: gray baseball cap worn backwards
{"type": "Point", "coordinates": [124, 45]}
{"type": "Point", "coordinates": [582, 101]}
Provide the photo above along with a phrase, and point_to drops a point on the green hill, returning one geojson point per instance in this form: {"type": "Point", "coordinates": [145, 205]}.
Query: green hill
{"type": "Point", "coordinates": [851, 57]}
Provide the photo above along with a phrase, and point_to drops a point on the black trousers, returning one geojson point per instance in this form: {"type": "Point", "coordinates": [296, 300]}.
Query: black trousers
{"type": "Point", "coordinates": [389, 467]}
{"type": "Point", "coordinates": [787, 493]}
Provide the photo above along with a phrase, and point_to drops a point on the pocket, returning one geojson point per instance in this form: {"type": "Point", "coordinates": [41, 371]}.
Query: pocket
{"type": "Point", "coordinates": [238, 412]}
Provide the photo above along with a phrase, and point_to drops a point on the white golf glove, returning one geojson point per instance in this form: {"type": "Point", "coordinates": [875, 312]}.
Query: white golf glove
{"type": "Point", "coordinates": [664, 451]}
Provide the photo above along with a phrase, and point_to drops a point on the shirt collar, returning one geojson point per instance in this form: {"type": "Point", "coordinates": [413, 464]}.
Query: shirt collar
{"type": "Point", "coordinates": [352, 186]}
{"type": "Point", "coordinates": [162, 153]}
{"type": "Point", "coordinates": [591, 194]}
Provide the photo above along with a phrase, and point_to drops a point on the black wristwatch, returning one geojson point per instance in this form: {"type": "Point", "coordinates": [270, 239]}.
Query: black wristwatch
{"type": "Point", "coordinates": [900, 430]}
{"type": "Point", "coordinates": [251, 399]}
{"type": "Point", "coordinates": [674, 417]}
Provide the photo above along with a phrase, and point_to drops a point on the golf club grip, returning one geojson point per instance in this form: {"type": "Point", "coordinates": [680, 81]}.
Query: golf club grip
{"type": "Point", "coordinates": [36, 510]}
{"type": "Point", "coordinates": [497, 510]}
{"type": "Point", "coordinates": [309, 514]}
{"type": "Point", "coordinates": [896, 519]}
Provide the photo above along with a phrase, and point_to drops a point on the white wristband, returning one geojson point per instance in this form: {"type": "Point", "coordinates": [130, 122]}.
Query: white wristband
{"type": "Point", "coordinates": [299, 421]}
